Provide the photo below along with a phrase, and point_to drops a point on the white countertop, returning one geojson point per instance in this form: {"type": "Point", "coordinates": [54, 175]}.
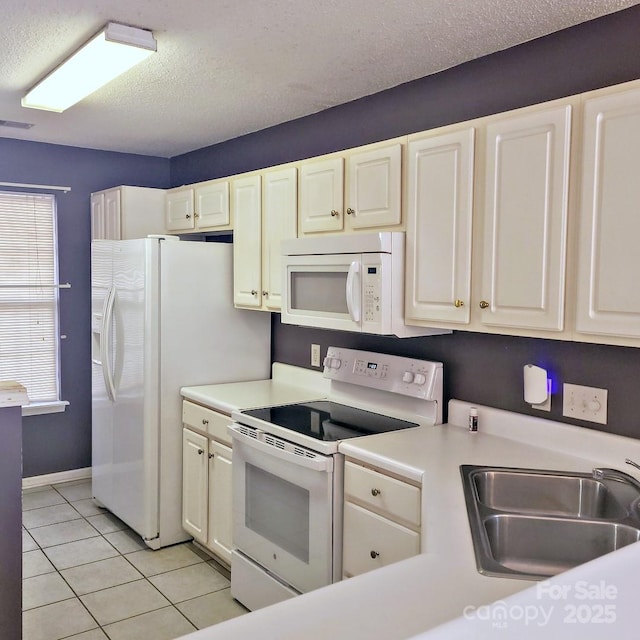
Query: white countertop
{"type": "Point", "coordinates": [288, 384]}
{"type": "Point", "coordinates": [418, 594]}
{"type": "Point", "coordinates": [12, 394]}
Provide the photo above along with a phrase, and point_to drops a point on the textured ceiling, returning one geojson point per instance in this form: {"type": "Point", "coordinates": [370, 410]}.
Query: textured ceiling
{"type": "Point", "coordinates": [228, 67]}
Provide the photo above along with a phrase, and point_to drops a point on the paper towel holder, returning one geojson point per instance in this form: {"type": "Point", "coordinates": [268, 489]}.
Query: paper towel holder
{"type": "Point", "coordinates": [537, 387]}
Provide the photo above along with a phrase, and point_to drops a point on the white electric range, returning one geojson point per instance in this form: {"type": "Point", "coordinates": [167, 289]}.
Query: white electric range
{"type": "Point", "coordinates": [288, 474]}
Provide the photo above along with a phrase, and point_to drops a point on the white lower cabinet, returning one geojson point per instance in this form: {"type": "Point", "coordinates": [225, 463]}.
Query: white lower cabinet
{"type": "Point", "coordinates": [194, 484]}
{"type": "Point", "coordinates": [220, 505]}
{"type": "Point", "coordinates": [381, 520]}
{"type": "Point", "coordinates": [206, 478]}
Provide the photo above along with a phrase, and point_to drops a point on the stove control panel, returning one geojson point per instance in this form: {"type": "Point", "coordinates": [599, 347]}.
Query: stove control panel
{"type": "Point", "coordinates": [397, 374]}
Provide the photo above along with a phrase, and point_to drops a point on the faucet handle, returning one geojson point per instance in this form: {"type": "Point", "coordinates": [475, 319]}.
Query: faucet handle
{"type": "Point", "coordinates": [632, 463]}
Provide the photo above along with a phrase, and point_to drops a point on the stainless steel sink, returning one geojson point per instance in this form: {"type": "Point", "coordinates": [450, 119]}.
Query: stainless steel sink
{"type": "Point", "coordinates": [548, 493]}
{"type": "Point", "coordinates": [541, 547]}
{"type": "Point", "coordinates": [532, 524]}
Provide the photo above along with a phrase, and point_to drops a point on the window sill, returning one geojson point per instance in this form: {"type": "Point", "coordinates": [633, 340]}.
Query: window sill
{"type": "Point", "coordinates": [40, 408]}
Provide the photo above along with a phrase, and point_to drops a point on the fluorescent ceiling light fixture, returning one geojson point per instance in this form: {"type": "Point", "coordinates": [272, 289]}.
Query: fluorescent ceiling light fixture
{"type": "Point", "coordinates": [110, 53]}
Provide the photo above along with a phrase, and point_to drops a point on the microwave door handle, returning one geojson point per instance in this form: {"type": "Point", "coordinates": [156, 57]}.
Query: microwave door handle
{"type": "Point", "coordinates": [353, 291]}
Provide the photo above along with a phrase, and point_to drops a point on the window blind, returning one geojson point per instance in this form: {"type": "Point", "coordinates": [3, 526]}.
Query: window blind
{"type": "Point", "coordinates": [29, 344]}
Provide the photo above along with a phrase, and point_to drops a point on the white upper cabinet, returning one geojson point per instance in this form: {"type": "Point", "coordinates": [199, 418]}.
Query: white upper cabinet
{"type": "Point", "coordinates": [125, 213]}
{"type": "Point", "coordinates": [180, 209]}
{"type": "Point", "coordinates": [246, 203]}
{"type": "Point", "coordinates": [374, 179]}
{"type": "Point", "coordinates": [524, 239]}
{"type": "Point", "coordinates": [279, 222]}
{"type": "Point", "coordinates": [439, 227]}
{"type": "Point", "coordinates": [199, 207]}
{"type": "Point", "coordinates": [357, 190]}
{"type": "Point", "coordinates": [322, 195]}
{"type": "Point", "coordinates": [212, 205]}
{"type": "Point", "coordinates": [608, 300]}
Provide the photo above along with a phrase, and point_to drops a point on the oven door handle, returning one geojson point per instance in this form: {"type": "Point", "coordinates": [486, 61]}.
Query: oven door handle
{"type": "Point", "coordinates": [317, 463]}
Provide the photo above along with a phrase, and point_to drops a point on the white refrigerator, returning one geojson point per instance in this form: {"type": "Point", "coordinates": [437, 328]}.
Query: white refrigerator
{"type": "Point", "coordinates": [162, 317]}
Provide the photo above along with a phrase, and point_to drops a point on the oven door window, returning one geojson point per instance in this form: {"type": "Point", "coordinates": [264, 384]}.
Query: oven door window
{"type": "Point", "coordinates": [278, 511]}
{"type": "Point", "coordinates": [283, 515]}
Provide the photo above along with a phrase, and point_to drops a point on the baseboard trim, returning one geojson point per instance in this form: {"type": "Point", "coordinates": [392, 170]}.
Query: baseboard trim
{"type": "Point", "coordinates": [55, 478]}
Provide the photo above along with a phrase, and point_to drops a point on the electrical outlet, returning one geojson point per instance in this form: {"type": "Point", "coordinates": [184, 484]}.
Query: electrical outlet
{"type": "Point", "coordinates": [584, 403]}
{"type": "Point", "coordinates": [315, 355]}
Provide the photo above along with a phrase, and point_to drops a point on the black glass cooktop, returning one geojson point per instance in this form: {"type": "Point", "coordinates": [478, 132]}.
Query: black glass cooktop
{"type": "Point", "coordinates": [324, 420]}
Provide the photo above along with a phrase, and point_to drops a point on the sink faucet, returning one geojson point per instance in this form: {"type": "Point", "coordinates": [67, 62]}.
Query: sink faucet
{"type": "Point", "coordinates": [600, 473]}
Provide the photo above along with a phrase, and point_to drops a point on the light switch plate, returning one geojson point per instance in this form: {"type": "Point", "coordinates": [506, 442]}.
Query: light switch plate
{"type": "Point", "coordinates": [584, 403]}
{"type": "Point", "coordinates": [315, 355]}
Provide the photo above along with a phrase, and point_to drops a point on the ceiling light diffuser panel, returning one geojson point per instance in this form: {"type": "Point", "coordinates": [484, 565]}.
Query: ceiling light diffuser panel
{"type": "Point", "coordinates": [116, 49]}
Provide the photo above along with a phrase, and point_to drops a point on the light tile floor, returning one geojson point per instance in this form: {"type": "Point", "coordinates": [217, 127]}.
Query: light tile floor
{"type": "Point", "coordinates": [86, 576]}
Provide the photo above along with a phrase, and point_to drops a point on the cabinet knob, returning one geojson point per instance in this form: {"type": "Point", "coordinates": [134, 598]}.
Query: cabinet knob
{"type": "Point", "coordinates": [265, 294]}
{"type": "Point", "coordinates": [210, 456]}
{"type": "Point", "coordinates": [334, 213]}
{"type": "Point", "coordinates": [350, 211]}
{"type": "Point", "coordinates": [375, 492]}
{"type": "Point", "coordinates": [196, 215]}
{"type": "Point", "coordinates": [205, 421]}
{"type": "Point", "coordinates": [188, 216]}
{"type": "Point", "coordinates": [200, 452]}
{"type": "Point", "coordinates": [254, 292]}
{"type": "Point", "coordinates": [459, 303]}
{"type": "Point", "coordinates": [374, 554]}
{"type": "Point", "coordinates": [484, 304]}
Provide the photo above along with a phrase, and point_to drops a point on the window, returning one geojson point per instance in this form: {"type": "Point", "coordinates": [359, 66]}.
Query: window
{"type": "Point", "coordinates": [29, 345]}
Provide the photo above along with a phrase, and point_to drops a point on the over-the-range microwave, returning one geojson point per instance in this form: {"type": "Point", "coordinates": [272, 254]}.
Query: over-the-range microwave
{"type": "Point", "coordinates": [350, 282]}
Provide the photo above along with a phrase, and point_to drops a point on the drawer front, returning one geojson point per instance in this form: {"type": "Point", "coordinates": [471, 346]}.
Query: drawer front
{"type": "Point", "coordinates": [384, 494]}
{"type": "Point", "coordinates": [371, 541]}
{"type": "Point", "coordinates": [206, 421]}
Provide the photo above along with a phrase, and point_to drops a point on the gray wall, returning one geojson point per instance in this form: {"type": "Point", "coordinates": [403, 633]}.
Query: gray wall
{"type": "Point", "coordinates": [62, 441]}
{"type": "Point", "coordinates": [485, 369]}
{"type": "Point", "coordinates": [591, 55]}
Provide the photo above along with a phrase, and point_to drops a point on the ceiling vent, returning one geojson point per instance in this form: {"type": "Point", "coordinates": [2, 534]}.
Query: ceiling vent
{"type": "Point", "coordinates": [12, 124]}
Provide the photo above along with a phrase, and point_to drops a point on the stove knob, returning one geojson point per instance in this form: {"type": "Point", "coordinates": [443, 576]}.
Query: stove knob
{"type": "Point", "coordinates": [332, 363]}
{"type": "Point", "coordinates": [407, 376]}
{"type": "Point", "coordinates": [419, 378]}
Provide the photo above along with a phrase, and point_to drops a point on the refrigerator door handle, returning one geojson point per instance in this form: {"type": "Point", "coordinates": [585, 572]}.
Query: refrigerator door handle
{"type": "Point", "coordinates": [105, 343]}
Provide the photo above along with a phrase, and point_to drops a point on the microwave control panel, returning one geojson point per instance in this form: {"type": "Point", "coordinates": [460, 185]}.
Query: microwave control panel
{"type": "Point", "coordinates": [371, 292]}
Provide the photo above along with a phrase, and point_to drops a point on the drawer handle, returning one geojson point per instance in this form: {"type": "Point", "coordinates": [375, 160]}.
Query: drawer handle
{"type": "Point", "coordinates": [205, 421]}
{"type": "Point", "coordinates": [375, 492]}
{"type": "Point", "coordinates": [374, 554]}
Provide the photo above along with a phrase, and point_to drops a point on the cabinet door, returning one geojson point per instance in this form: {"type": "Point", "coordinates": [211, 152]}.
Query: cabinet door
{"type": "Point", "coordinates": [525, 220]}
{"type": "Point", "coordinates": [97, 216]}
{"type": "Point", "coordinates": [195, 484]}
{"type": "Point", "coordinates": [212, 205]}
{"type": "Point", "coordinates": [280, 222]}
{"type": "Point", "coordinates": [113, 212]}
{"type": "Point", "coordinates": [247, 241]}
{"type": "Point", "coordinates": [439, 227]}
{"type": "Point", "coordinates": [371, 541]}
{"type": "Point", "coordinates": [179, 210]}
{"type": "Point", "coordinates": [220, 505]}
{"type": "Point", "coordinates": [375, 187]}
{"type": "Point", "coordinates": [609, 268]}
{"type": "Point", "coordinates": [321, 195]}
